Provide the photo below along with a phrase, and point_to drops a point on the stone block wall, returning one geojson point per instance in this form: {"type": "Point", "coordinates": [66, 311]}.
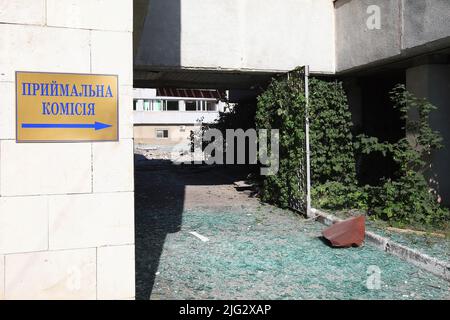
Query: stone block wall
{"type": "Point", "coordinates": [66, 209]}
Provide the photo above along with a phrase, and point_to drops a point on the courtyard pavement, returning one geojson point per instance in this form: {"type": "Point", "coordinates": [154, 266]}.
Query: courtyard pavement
{"type": "Point", "coordinates": [199, 238]}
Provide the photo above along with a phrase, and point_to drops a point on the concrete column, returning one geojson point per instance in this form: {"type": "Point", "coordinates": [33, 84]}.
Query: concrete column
{"type": "Point", "coordinates": [432, 81]}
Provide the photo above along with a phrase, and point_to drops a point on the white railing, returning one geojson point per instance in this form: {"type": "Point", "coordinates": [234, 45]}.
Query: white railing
{"type": "Point", "coordinates": [174, 117]}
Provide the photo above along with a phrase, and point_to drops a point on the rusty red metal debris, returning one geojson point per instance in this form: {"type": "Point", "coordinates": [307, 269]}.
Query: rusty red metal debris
{"type": "Point", "coordinates": [346, 233]}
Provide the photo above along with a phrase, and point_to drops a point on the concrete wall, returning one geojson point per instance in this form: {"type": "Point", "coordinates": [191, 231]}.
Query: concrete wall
{"type": "Point", "coordinates": [252, 36]}
{"type": "Point", "coordinates": [66, 210]}
{"type": "Point", "coordinates": [356, 45]}
{"type": "Point", "coordinates": [408, 28]}
{"type": "Point", "coordinates": [425, 21]}
{"type": "Point", "coordinates": [244, 35]}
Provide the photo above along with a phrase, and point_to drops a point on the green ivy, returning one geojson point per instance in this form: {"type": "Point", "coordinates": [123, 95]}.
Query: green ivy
{"type": "Point", "coordinates": [282, 106]}
{"type": "Point", "coordinates": [408, 199]}
{"type": "Point", "coordinates": [332, 154]}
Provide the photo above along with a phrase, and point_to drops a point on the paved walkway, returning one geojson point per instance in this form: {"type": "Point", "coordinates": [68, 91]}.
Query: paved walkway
{"type": "Point", "coordinates": [253, 251]}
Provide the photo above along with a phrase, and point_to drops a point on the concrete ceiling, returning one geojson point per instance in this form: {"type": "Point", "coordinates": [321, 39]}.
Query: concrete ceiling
{"type": "Point", "coordinates": [200, 79]}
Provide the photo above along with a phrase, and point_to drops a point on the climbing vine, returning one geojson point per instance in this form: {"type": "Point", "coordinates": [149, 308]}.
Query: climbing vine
{"type": "Point", "coordinates": [412, 196]}
{"type": "Point", "coordinates": [406, 198]}
{"type": "Point", "coordinates": [282, 106]}
{"type": "Point", "coordinates": [332, 154]}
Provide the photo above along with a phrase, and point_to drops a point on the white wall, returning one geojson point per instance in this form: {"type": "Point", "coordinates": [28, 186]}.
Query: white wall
{"type": "Point", "coordinates": [66, 210]}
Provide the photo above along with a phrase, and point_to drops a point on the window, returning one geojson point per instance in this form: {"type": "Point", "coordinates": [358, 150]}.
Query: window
{"type": "Point", "coordinates": [171, 105]}
{"type": "Point", "coordinates": [162, 133]}
{"type": "Point", "coordinates": [191, 106]}
{"type": "Point", "coordinates": [156, 105]}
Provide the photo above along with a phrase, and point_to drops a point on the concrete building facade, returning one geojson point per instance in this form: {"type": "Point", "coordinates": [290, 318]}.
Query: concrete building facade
{"type": "Point", "coordinates": [370, 44]}
{"type": "Point", "coordinates": [66, 209]}
{"type": "Point", "coordinates": [167, 121]}
{"type": "Point", "coordinates": [406, 29]}
{"type": "Point", "coordinates": [243, 41]}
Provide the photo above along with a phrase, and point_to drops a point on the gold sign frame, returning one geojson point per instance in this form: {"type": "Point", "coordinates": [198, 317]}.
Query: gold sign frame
{"type": "Point", "coordinates": [66, 107]}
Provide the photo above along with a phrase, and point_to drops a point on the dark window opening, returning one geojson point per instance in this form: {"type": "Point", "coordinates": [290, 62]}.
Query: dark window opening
{"type": "Point", "coordinates": [191, 106]}
{"type": "Point", "coordinates": [172, 105]}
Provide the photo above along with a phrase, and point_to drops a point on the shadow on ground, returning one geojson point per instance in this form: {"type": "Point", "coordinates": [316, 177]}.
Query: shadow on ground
{"type": "Point", "coordinates": [159, 203]}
